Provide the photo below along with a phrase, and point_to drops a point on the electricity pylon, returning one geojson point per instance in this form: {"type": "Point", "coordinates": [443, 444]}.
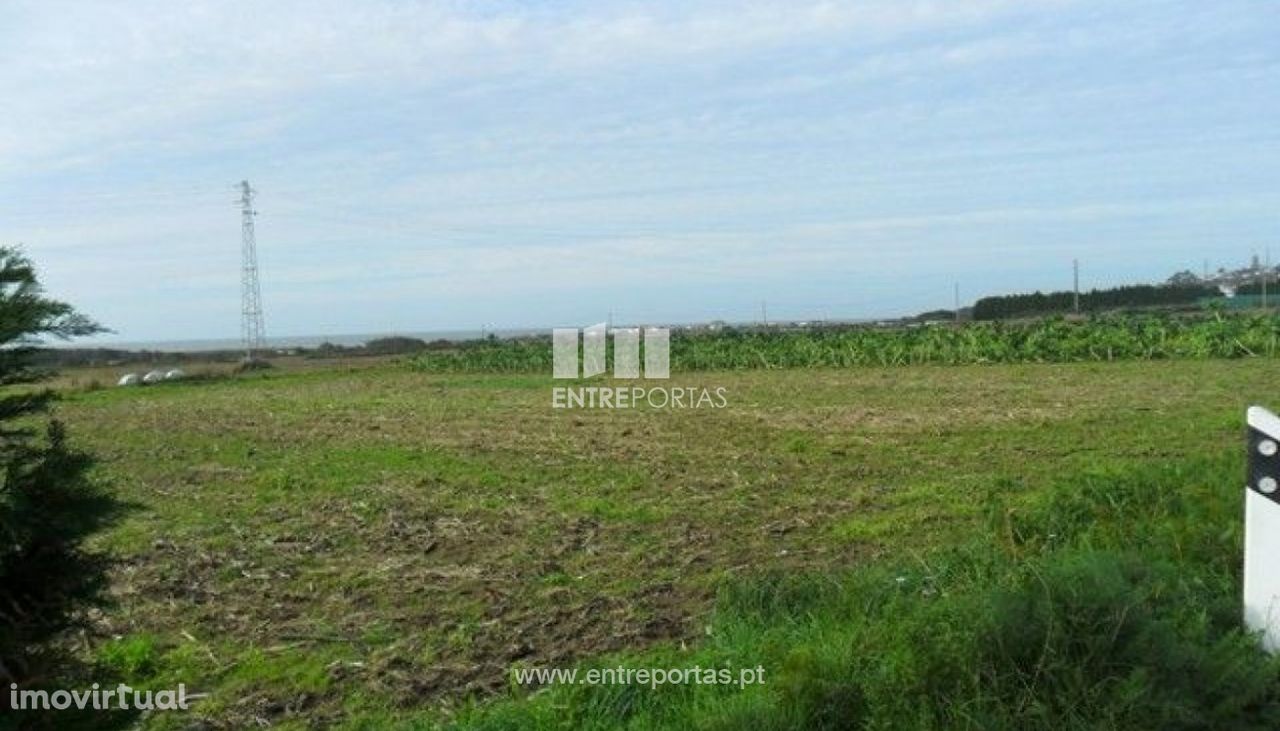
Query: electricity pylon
{"type": "Point", "coordinates": [252, 333]}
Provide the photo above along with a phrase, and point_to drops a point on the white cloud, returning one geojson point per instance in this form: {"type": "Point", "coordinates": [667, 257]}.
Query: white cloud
{"type": "Point", "coordinates": [98, 78]}
{"type": "Point", "coordinates": [435, 150]}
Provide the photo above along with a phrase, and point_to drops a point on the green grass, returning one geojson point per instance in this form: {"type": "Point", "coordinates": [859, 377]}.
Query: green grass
{"type": "Point", "coordinates": [1111, 602]}
{"type": "Point", "coordinates": [377, 548]}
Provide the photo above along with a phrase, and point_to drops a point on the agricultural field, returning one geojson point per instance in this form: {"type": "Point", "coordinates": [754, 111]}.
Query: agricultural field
{"type": "Point", "coordinates": [378, 547]}
{"type": "Point", "coordinates": [1056, 340]}
{"type": "Point", "coordinates": [436, 365]}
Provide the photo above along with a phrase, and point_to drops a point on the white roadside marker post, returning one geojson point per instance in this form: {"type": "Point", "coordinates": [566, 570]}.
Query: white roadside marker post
{"type": "Point", "coordinates": [1262, 528]}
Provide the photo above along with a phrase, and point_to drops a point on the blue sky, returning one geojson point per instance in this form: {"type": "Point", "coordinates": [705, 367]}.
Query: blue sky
{"type": "Point", "coordinates": [433, 166]}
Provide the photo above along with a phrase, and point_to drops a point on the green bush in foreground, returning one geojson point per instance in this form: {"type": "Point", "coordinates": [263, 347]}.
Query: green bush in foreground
{"type": "Point", "coordinates": [1112, 604]}
{"type": "Point", "coordinates": [1104, 338]}
{"type": "Point", "coordinates": [47, 506]}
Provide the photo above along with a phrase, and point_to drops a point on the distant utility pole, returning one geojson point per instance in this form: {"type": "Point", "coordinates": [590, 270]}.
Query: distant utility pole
{"type": "Point", "coordinates": [1075, 286]}
{"type": "Point", "coordinates": [251, 329]}
{"type": "Point", "coordinates": [1266, 272]}
{"type": "Point", "coordinates": [764, 313]}
{"type": "Point", "coordinates": [957, 302]}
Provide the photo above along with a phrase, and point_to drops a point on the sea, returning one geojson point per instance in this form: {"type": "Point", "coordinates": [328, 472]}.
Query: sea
{"type": "Point", "coordinates": [286, 342]}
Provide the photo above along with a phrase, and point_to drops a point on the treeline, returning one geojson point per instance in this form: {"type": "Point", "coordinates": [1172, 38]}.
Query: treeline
{"type": "Point", "coordinates": [1256, 287]}
{"type": "Point", "coordinates": [391, 345]}
{"type": "Point", "coordinates": [1137, 295]}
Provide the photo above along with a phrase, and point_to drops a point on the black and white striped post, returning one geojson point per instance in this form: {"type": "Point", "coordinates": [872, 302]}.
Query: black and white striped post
{"type": "Point", "coordinates": [1262, 528]}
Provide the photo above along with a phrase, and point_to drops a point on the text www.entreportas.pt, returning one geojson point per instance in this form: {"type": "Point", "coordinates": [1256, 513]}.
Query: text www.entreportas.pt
{"type": "Point", "coordinates": [652, 677]}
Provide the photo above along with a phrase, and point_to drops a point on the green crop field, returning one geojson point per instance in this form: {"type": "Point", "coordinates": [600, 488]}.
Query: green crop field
{"type": "Point", "coordinates": [1101, 338]}
{"type": "Point", "coordinates": [380, 547]}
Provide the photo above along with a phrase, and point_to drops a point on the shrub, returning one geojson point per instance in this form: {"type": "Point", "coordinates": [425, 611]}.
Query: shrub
{"type": "Point", "coordinates": [46, 505]}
